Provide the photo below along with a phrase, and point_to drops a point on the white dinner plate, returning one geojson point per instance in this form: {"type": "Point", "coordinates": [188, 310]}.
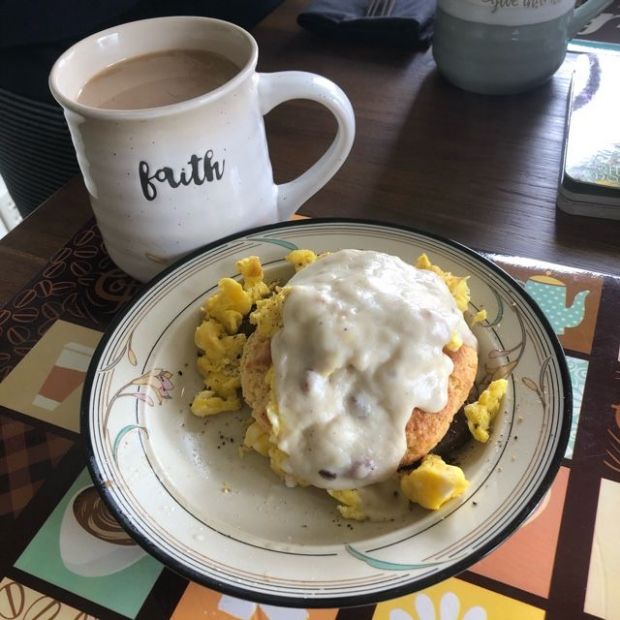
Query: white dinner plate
{"type": "Point", "coordinates": [179, 486]}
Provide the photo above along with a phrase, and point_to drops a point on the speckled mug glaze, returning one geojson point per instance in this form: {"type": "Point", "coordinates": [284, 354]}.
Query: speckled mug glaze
{"type": "Point", "coordinates": [499, 47]}
{"type": "Point", "coordinates": [164, 181]}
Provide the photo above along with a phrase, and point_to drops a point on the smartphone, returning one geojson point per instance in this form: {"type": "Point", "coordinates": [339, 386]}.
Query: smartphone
{"type": "Point", "coordinates": [590, 175]}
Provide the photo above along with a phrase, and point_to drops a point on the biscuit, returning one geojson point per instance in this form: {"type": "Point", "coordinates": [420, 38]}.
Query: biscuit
{"type": "Point", "coordinates": [424, 430]}
{"type": "Point", "coordinates": [255, 363]}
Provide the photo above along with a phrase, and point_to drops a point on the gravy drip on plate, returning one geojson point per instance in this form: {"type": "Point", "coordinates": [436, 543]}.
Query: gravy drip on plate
{"type": "Point", "coordinates": [361, 346]}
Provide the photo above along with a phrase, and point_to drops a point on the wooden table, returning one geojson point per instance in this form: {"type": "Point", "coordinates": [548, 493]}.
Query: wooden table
{"type": "Point", "coordinates": [481, 170]}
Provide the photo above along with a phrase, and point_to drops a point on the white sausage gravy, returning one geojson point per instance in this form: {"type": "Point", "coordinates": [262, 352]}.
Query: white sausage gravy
{"type": "Point", "coordinates": [361, 346]}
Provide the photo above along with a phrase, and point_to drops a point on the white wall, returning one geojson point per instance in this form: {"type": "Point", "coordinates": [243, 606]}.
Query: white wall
{"type": "Point", "coordinates": [9, 215]}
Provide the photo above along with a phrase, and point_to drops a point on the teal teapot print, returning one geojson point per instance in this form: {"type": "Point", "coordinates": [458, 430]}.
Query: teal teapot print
{"type": "Point", "coordinates": [550, 294]}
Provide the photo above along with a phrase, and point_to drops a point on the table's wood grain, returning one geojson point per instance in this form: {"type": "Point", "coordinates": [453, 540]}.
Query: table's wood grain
{"type": "Point", "coordinates": [482, 170]}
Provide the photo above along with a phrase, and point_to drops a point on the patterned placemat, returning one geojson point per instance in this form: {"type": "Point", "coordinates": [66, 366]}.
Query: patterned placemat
{"type": "Point", "coordinates": [563, 563]}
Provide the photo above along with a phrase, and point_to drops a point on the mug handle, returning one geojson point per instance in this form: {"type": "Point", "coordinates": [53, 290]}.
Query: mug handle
{"type": "Point", "coordinates": [275, 88]}
{"type": "Point", "coordinates": [585, 13]}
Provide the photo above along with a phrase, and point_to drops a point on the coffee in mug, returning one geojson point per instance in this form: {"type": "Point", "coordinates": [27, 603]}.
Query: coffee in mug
{"type": "Point", "coordinates": [158, 79]}
{"type": "Point", "coordinates": [501, 47]}
{"type": "Point", "coordinates": [166, 116]}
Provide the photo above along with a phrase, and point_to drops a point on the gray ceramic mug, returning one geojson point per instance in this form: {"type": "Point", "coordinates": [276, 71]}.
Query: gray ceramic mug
{"type": "Point", "coordinates": [500, 47]}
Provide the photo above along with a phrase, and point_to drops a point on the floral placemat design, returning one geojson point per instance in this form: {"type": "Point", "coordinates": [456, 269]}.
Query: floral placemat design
{"type": "Point", "coordinates": [458, 600]}
{"type": "Point", "coordinates": [58, 562]}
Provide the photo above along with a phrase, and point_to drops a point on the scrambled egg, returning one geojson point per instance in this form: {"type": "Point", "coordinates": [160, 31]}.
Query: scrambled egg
{"type": "Point", "coordinates": [301, 258]}
{"type": "Point", "coordinates": [219, 339]}
{"type": "Point", "coordinates": [458, 288]}
{"type": "Point", "coordinates": [258, 439]}
{"type": "Point", "coordinates": [265, 442]}
{"type": "Point", "coordinates": [350, 504]}
{"type": "Point", "coordinates": [457, 284]}
{"type": "Point", "coordinates": [268, 314]}
{"type": "Point", "coordinates": [480, 414]}
{"type": "Point", "coordinates": [479, 317]}
{"type": "Point", "coordinates": [433, 483]}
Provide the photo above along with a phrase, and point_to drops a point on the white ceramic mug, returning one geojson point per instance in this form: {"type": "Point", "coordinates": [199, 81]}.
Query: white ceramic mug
{"type": "Point", "coordinates": [164, 181]}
